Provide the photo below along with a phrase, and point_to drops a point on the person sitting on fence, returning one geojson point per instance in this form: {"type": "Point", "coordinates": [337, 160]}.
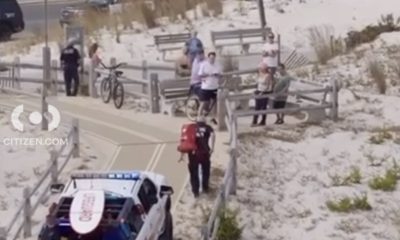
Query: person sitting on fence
{"type": "Point", "coordinates": [205, 141]}
{"type": "Point", "coordinates": [270, 54]}
{"type": "Point", "coordinates": [183, 64]}
{"type": "Point", "coordinates": [70, 61]}
{"type": "Point", "coordinates": [195, 79]}
{"type": "Point", "coordinates": [210, 72]}
{"type": "Point", "coordinates": [50, 230]}
{"type": "Point", "coordinates": [194, 46]}
{"type": "Point", "coordinates": [281, 88]}
{"type": "Point", "coordinates": [265, 85]}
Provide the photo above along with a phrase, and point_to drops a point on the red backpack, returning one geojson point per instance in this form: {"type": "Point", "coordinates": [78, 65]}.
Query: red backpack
{"type": "Point", "coordinates": [188, 138]}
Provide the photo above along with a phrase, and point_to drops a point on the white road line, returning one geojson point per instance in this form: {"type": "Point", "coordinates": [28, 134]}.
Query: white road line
{"type": "Point", "coordinates": [122, 129]}
{"type": "Point", "coordinates": [109, 165]}
{"type": "Point", "coordinates": [180, 194]}
{"type": "Point", "coordinates": [155, 153]}
{"type": "Point", "coordinates": [144, 136]}
{"type": "Point", "coordinates": [157, 159]}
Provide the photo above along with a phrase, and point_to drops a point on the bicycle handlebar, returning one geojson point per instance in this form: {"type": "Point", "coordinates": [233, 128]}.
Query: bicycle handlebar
{"type": "Point", "coordinates": [113, 67]}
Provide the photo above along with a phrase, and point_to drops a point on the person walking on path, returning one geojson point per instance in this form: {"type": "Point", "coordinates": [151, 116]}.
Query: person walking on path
{"type": "Point", "coordinates": [183, 64]}
{"type": "Point", "coordinates": [265, 85]}
{"type": "Point", "coordinates": [201, 158]}
{"type": "Point", "coordinates": [70, 60]}
{"type": "Point", "coordinates": [194, 46]}
{"type": "Point", "coordinates": [270, 54]}
{"type": "Point", "coordinates": [281, 88]}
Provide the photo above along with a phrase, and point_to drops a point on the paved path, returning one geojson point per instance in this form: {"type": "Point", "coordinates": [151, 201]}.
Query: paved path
{"type": "Point", "coordinates": [139, 146]}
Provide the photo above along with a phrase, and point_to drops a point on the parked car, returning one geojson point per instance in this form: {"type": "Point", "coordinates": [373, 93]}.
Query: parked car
{"type": "Point", "coordinates": [11, 19]}
{"type": "Point", "coordinates": [128, 205]}
{"type": "Point", "coordinates": [69, 14]}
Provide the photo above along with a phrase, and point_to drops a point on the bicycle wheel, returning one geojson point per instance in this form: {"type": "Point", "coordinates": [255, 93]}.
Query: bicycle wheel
{"type": "Point", "coordinates": [192, 107]}
{"type": "Point", "coordinates": [105, 90]}
{"type": "Point", "coordinates": [118, 95]}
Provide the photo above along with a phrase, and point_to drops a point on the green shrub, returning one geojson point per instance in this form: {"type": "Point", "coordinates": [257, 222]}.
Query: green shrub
{"type": "Point", "coordinates": [354, 177]}
{"type": "Point", "coordinates": [385, 183]}
{"type": "Point", "coordinates": [343, 205]}
{"type": "Point", "coordinates": [346, 205]}
{"type": "Point", "coordinates": [229, 227]}
{"type": "Point", "coordinates": [381, 136]}
{"type": "Point", "coordinates": [371, 32]}
{"type": "Point", "coordinates": [361, 203]}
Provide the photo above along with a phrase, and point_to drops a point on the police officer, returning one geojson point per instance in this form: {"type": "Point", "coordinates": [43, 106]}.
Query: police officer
{"type": "Point", "coordinates": [205, 141]}
{"type": "Point", "coordinates": [50, 230]}
{"type": "Point", "coordinates": [70, 61]}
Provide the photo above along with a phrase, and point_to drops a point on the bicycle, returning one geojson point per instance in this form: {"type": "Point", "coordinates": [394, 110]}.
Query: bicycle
{"type": "Point", "coordinates": [192, 104]}
{"type": "Point", "coordinates": [111, 87]}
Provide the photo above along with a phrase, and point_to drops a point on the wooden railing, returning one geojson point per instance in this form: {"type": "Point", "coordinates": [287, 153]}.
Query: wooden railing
{"type": "Point", "coordinates": [33, 197]}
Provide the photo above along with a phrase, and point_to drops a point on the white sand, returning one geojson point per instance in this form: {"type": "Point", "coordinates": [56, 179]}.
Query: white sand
{"type": "Point", "coordinates": [284, 181]}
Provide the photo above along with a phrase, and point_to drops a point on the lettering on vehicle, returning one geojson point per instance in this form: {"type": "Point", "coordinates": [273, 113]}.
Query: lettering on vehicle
{"type": "Point", "coordinates": [86, 212]}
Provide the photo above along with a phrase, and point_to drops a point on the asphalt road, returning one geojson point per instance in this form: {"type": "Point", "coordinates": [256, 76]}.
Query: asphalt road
{"type": "Point", "coordinates": [34, 14]}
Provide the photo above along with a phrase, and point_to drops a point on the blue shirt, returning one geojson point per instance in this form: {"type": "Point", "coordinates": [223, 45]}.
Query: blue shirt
{"type": "Point", "coordinates": [194, 45]}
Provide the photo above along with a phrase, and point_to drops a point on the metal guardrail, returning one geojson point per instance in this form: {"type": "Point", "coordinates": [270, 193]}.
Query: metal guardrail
{"type": "Point", "coordinates": [30, 205]}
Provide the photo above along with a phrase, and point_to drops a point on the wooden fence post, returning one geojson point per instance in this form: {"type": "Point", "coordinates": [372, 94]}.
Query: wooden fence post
{"type": "Point", "coordinates": [145, 73]}
{"type": "Point", "coordinates": [154, 96]}
{"type": "Point", "coordinates": [92, 81]}
{"type": "Point", "coordinates": [334, 100]}
{"type": "Point", "coordinates": [279, 48]}
{"type": "Point", "coordinates": [221, 109]}
{"type": "Point", "coordinates": [53, 167]}
{"type": "Point", "coordinates": [54, 77]}
{"type": "Point", "coordinates": [27, 213]}
{"type": "Point", "coordinates": [75, 137]}
{"type": "Point", "coordinates": [17, 73]}
{"type": "Point", "coordinates": [234, 154]}
{"type": "Point", "coordinates": [3, 233]}
{"type": "Point", "coordinates": [113, 61]}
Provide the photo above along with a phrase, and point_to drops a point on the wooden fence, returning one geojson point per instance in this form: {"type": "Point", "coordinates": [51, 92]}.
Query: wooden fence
{"type": "Point", "coordinates": [34, 197]}
{"type": "Point", "coordinates": [231, 115]}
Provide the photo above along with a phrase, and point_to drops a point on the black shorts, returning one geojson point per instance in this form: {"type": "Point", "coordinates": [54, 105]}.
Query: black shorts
{"type": "Point", "coordinates": [207, 95]}
{"type": "Point", "coordinates": [279, 104]}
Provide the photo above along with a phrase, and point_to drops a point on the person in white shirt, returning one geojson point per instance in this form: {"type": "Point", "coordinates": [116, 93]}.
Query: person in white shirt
{"type": "Point", "coordinates": [210, 73]}
{"type": "Point", "coordinates": [270, 54]}
{"type": "Point", "coordinates": [265, 85]}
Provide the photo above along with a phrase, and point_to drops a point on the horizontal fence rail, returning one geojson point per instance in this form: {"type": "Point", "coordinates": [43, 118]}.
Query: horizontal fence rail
{"type": "Point", "coordinates": [33, 197]}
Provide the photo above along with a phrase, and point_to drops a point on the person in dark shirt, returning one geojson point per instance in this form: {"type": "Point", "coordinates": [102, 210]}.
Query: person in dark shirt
{"type": "Point", "coordinates": [205, 141]}
{"type": "Point", "coordinates": [50, 230]}
{"type": "Point", "coordinates": [70, 61]}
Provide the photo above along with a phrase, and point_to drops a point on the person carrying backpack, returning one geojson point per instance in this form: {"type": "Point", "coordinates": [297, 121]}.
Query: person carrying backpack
{"type": "Point", "coordinates": [198, 141]}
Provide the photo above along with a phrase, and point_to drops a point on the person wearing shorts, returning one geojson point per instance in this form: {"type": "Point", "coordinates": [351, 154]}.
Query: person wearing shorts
{"type": "Point", "coordinates": [210, 72]}
{"type": "Point", "coordinates": [281, 88]}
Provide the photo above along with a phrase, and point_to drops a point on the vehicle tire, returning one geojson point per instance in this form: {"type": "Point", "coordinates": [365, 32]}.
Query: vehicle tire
{"type": "Point", "coordinates": [168, 233]}
{"type": "Point", "coordinates": [118, 95]}
{"type": "Point", "coordinates": [5, 32]}
{"type": "Point", "coordinates": [105, 90]}
{"type": "Point", "coordinates": [192, 105]}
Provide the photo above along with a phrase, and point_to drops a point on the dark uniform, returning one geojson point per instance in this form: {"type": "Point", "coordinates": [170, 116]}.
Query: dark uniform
{"type": "Point", "coordinates": [70, 59]}
{"type": "Point", "coordinates": [200, 158]}
{"type": "Point", "coordinates": [50, 230]}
